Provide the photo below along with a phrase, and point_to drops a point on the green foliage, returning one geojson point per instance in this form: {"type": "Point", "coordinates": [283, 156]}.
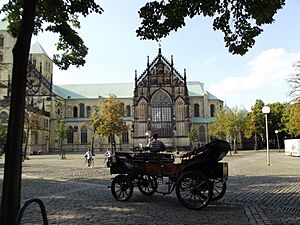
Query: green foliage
{"type": "Point", "coordinates": [193, 135]}
{"type": "Point", "coordinates": [291, 118]}
{"type": "Point", "coordinates": [109, 117]}
{"type": "Point", "coordinates": [256, 120]}
{"type": "Point", "coordinates": [240, 21]}
{"type": "Point", "coordinates": [61, 131]}
{"type": "Point", "coordinates": [57, 16]}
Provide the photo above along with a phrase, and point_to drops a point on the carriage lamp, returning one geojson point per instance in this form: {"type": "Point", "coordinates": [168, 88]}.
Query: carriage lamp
{"type": "Point", "coordinates": [266, 110]}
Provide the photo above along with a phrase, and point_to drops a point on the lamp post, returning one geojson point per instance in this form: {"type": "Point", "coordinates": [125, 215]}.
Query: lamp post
{"type": "Point", "coordinates": [278, 145]}
{"type": "Point", "coordinates": [266, 110]}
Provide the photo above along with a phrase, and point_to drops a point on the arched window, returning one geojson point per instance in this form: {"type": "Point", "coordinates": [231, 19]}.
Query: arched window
{"type": "Point", "coordinates": [1, 57]}
{"type": "Point", "coordinates": [81, 110]}
{"type": "Point", "coordinates": [4, 117]}
{"type": "Point", "coordinates": [128, 110]}
{"type": "Point", "coordinates": [202, 134]}
{"type": "Point", "coordinates": [125, 137]}
{"type": "Point", "coordinates": [75, 111]}
{"type": "Point", "coordinates": [83, 133]}
{"type": "Point", "coordinates": [196, 110]}
{"type": "Point", "coordinates": [70, 135]}
{"type": "Point", "coordinates": [1, 40]}
{"type": "Point", "coordinates": [36, 138]}
{"type": "Point", "coordinates": [161, 114]}
{"type": "Point", "coordinates": [88, 111]}
{"type": "Point", "coordinates": [212, 110]}
{"type": "Point", "coordinates": [111, 139]}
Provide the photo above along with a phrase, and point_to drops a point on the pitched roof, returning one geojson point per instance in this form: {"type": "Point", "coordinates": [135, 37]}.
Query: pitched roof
{"type": "Point", "coordinates": [121, 90]}
{"type": "Point", "coordinates": [37, 48]}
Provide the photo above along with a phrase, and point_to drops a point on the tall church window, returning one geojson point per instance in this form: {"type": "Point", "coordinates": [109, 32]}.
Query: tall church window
{"type": "Point", "coordinates": [75, 111]}
{"type": "Point", "coordinates": [128, 110]}
{"type": "Point", "coordinates": [4, 117]}
{"type": "Point", "coordinates": [83, 133]}
{"type": "Point", "coordinates": [88, 111]}
{"type": "Point", "coordinates": [1, 40]}
{"type": "Point", "coordinates": [142, 111]}
{"type": "Point", "coordinates": [212, 110]}
{"type": "Point", "coordinates": [161, 114]}
{"type": "Point", "coordinates": [81, 110]}
{"type": "Point", "coordinates": [1, 57]}
{"type": "Point", "coordinates": [202, 134]}
{"type": "Point", "coordinates": [125, 137]}
{"type": "Point", "coordinates": [196, 110]}
{"type": "Point", "coordinates": [70, 135]}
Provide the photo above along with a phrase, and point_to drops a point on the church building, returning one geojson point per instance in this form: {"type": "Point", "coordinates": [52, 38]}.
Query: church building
{"type": "Point", "coordinates": [160, 100]}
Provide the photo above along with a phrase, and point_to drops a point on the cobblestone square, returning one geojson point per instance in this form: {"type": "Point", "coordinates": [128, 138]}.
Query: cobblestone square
{"type": "Point", "coordinates": [256, 194]}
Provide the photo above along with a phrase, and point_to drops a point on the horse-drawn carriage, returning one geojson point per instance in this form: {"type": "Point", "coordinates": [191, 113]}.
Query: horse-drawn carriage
{"type": "Point", "coordinates": [197, 179]}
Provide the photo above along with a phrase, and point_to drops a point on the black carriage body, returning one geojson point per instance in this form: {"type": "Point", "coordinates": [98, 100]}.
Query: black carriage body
{"type": "Point", "coordinates": [200, 167]}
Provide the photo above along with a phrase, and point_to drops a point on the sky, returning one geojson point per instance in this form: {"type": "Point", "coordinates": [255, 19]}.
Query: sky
{"type": "Point", "coordinates": [115, 53]}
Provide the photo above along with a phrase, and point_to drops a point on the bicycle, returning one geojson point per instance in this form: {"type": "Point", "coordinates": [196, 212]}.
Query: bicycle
{"type": "Point", "coordinates": [88, 163]}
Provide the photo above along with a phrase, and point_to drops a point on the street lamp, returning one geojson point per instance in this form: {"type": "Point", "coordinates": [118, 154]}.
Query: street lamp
{"type": "Point", "coordinates": [278, 145]}
{"type": "Point", "coordinates": [266, 110]}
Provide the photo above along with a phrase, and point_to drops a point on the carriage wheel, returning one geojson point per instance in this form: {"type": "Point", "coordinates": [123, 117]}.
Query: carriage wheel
{"type": "Point", "coordinates": [193, 190]}
{"type": "Point", "coordinates": [122, 188]}
{"type": "Point", "coordinates": [219, 188]}
{"type": "Point", "coordinates": [147, 184]}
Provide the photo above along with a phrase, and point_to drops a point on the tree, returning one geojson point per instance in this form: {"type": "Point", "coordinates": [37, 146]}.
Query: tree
{"type": "Point", "coordinates": [61, 136]}
{"type": "Point", "coordinates": [93, 123]}
{"type": "Point", "coordinates": [32, 125]}
{"type": "Point", "coordinates": [294, 83]}
{"type": "Point", "coordinates": [240, 21]}
{"type": "Point", "coordinates": [291, 118]}
{"type": "Point", "coordinates": [231, 122]}
{"type": "Point", "coordinates": [109, 119]}
{"type": "Point", "coordinates": [193, 136]}
{"type": "Point", "coordinates": [255, 122]}
{"type": "Point", "coordinates": [26, 17]}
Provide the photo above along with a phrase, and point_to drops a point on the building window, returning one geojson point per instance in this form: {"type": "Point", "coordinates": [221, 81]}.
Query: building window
{"type": "Point", "coordinates": [81, 110]}
{"type": "Point", "coordinates": [75, 111]}
{"type": "Point", "coordinates": [212, 110]}
{"type": "Point", "coordinates": [128, 110]}
{"type": "Point", "coordinates": [36, 138]}
{"type": "Point", "coordinates": [1, 40]}
{"type": "Point", "coordinates": [4, 117]}
{"type": "Point", "coordinates": [70, 135]}
{"type": "Point", "coordinates": [125, 137]}
{"type": "Point", "coordinates": [88, 111]}
{"type": "Point", "coordinates": [196, 110]}
{"type": "Point", "coordinates": [46, 124]}
{"type": "Point", "coordinates": [1, 57]}
{"type": "Point", "coordinates": [83, 135]}
{"type": "Point", "coordinates": [202, 134]}
{"type": "Point", "coordinates": [161, 114]}
{"type": "Point", "coordinates": [111, 139]}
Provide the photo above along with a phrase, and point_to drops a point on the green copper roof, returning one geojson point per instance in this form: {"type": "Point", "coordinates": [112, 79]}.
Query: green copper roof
{"type": "Point", "coordinates": [202, 120]}
{"type": "Point", "coordinates": [121, 90]}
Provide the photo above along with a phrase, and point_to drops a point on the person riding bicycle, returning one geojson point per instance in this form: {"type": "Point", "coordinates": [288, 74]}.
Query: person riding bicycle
{"type": "Point", "coordinates": [88, 156]}
{"type": "Point", "coordinates": [156, 145]}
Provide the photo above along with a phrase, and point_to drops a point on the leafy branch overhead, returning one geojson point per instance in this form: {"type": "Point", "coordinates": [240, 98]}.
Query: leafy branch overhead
{"type": "Point", "coordinates": [239, 20]}
{"type": "Point", "coordinates": [60, 17]}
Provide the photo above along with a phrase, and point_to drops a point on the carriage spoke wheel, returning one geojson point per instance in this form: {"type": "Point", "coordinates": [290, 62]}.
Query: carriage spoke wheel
{"type": "Point", "coordinates": [122, 188]}
{"type": "Point", "coordinates": [193, 190]}
{"type": "Point", "coordinates": [219, 188]}
{"type": "Point", "coordinates": [147, 184]}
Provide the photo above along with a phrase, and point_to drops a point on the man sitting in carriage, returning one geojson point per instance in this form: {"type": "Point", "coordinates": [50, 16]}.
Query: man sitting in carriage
{"type": "Point", "coordinates": [156, 145]}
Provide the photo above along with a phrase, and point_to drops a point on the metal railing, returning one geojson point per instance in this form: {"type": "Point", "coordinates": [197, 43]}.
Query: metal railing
{"type": "Point", "coordinates": [26, 204]}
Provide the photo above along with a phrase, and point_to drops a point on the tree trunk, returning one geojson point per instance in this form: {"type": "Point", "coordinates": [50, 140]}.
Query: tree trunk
{"type": "Point", "coordinates": [26, 143]}
{"type": "Point", "coordinates": [11, 193]}
{"type": "Point", "coordinates": [255, 141]}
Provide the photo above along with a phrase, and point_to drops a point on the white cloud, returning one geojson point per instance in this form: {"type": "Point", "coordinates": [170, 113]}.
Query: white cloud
{"type": "Point", "coordinates": [266, 80]}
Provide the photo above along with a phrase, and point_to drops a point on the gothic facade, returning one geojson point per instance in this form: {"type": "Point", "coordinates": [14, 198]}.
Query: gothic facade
{"type": "Point", "coordinates": [160, 100]}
